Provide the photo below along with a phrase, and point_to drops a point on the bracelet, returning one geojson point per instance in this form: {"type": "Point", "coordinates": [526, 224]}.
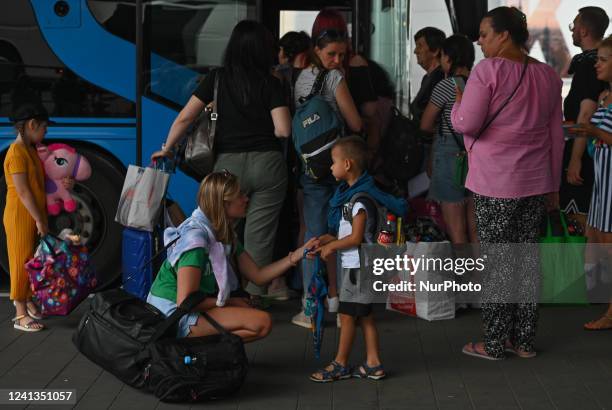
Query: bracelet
{"type": "Point", "coordinates": [290, 261]}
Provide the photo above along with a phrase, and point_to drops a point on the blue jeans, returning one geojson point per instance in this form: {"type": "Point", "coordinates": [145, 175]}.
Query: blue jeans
{"type": "Point", "coordinates": [316, 205]}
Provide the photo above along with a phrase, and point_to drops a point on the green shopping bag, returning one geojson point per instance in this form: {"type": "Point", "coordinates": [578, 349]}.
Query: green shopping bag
{"type": "Point", "coordinates": [562, 265]}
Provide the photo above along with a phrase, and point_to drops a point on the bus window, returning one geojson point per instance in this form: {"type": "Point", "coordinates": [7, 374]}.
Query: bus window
{"type": "Point", "coordinates": [29, 70]}
{"type": "Point", "coordinates": [184, 39]}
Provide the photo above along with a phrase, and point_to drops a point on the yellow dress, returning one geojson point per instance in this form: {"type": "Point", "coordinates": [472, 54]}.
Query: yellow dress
{"type": "Point", "coordinates": [20, 227]}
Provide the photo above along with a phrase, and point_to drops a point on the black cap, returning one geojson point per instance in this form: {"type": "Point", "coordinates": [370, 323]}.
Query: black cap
{"type": "Point", "coordinates": [28, 111]}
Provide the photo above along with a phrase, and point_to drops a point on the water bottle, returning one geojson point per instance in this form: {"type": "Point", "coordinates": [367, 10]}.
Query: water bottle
{"type": "Point", "coordinates": [387, 233]}
{"type": "Point", "coordinates": [188, 360]}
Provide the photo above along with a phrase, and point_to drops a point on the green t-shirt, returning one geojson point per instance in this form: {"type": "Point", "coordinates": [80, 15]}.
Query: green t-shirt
{"type": "Point", "coordinates": [164, 285]}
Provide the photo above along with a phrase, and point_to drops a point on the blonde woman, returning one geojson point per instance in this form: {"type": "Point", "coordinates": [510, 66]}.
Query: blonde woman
{"type": "Point", "coordinates": [207, 256]}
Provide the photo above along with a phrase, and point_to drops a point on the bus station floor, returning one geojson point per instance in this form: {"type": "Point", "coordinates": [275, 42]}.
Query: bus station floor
{"type": "Point", "coordinates": [425, 367]}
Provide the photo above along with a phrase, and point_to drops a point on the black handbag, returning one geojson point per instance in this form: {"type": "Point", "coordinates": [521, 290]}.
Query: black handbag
{"type": "Point", "coordinates": [196, 368]}
{"type": "Point", "coordinates": [196, 156]}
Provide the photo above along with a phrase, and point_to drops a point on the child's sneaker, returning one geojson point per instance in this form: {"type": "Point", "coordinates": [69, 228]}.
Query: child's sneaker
{"type": "Point", "coordinates": [333, 304]}
{"type": "Point", "coordinates": [302, 320]}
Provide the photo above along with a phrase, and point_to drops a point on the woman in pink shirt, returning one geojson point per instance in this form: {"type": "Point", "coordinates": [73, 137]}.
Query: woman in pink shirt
{"type": "Point", "coordinates": [511, 119]}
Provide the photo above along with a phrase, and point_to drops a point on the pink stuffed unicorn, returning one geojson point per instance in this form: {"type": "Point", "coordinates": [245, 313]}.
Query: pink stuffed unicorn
{"type": "Point", "coordinates": [60, 161]}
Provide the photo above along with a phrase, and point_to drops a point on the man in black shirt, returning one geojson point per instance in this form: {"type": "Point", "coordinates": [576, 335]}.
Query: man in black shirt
{"type": "Point", "coordinates": [588, 28]}
{"type": "Point", "coordinates": [428, 44]}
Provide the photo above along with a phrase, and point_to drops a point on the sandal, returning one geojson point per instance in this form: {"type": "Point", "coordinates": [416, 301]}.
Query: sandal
{"type": "Point", "coordinates": [28, 326]}
{"type": "Point", "coordinates": [596, 325]}
{"type": "Point", "coordinates": [470, 350]}
{"type": "Point", "coordinates": [337, 372]}
{"type": "Point", "coordinates": [373, 373]}
{"type": "Point", "coordinates": [523, 354]}
{"type": "Point", "coordinates": [31, 313]}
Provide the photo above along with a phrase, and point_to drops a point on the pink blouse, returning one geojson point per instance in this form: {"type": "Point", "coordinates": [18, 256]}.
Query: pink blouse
{"type": "Point", "coordinates": [520, 153]}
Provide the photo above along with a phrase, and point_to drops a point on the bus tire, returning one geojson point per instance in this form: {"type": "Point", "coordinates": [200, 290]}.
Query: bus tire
{"type": "Point", "coordinates": [94, 218]}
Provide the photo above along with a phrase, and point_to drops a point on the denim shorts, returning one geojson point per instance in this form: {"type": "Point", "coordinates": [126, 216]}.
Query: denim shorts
{"type": "Point", "coordinates": [167, 307]}
{"type": "Point", "coordinates": [442, 187]}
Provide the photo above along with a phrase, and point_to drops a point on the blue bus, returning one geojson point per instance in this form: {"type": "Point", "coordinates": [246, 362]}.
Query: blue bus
{"type": "Point", "coordinates": [114, 87]}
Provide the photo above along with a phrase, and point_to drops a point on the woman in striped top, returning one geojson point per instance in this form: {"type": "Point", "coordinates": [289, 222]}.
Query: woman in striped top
{"type": "Point", "coordinates": [600, 213]}
{"type": "Point", "coordinates": [457, 59]}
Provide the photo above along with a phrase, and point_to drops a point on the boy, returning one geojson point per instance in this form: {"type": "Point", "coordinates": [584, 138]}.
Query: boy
{"type": "Point", "coordinates": [349, 156]}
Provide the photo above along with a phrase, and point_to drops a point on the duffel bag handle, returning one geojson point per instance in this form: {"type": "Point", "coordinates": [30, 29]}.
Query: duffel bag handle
{"type": "Point", "coordinates": [186, 307]}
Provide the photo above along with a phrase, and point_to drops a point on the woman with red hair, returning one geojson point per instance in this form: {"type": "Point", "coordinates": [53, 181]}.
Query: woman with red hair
{"type": "Point", "coordinates": [357, 74]}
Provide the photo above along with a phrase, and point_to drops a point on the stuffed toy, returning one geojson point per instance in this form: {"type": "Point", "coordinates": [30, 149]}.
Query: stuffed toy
{"type": "Point", "coordinates": [60, 161]}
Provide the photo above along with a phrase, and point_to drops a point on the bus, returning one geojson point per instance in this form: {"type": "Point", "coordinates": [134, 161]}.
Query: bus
{"type": "Point", "coordinates": [114, 73]}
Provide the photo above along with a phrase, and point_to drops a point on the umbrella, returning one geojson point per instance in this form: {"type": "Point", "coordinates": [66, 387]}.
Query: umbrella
{"type": "Point", "coordinates": [315, 308]}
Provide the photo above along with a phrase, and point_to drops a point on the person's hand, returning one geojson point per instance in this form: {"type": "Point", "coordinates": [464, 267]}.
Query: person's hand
{"type": "Point", "coordinates": [429, 168]}
{"type": "Point", "coordinates": [162, 153]}
{"type": "Point", "coordinates": [325, 251]}
{"type": "Point", "coordinates": [68, 183]}
{"type": "Point", "coordinates": [325, 239]}
{"type": "Point", "coordinates": [552, 201]}
{"type": "Point", "coordinates": [312, 244]}
{"type": "Point", "coordinates": [573, 172]}
{"type": "Point", "coordinates": [458, 95]}
{"type": "Point", "coordinates": [583, 130]}
{"type": "Point", "coordinates": [42, 228]}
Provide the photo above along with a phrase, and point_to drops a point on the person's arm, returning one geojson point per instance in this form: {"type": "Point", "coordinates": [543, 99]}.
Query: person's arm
{"type": "Point", "coordinates": [22, 187]}
{"type": "Point", "coordinates": [589, 130]}
{"type": "Point", "coordinates": [471, 106]}
{"type": "Point", "coordinates": [347, 107]}
{"type": "Point", "coordinates": [281, 117]}
{"type": "Point", "coordinates": [188, 114]}
{"type": "Point", "coordinates": [587, 109]}
{"type": "Point", "coordinates": [262, 275]}
{"type": "Point", "coordinates": [428, 120]}
{"type": "Point", "coordinates": [187, 282]}
{"type": "Point", "coordinates": [350, 241]}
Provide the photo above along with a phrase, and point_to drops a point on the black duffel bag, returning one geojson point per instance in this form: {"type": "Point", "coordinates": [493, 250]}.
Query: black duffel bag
{"type": "Point", "coordinates": [135, 342]}
{"type": "Point", "coordinates": [196, 368]}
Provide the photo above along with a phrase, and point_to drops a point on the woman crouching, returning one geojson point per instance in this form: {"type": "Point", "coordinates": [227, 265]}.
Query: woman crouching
{"type": "Point", "coordinates": [207, 256]}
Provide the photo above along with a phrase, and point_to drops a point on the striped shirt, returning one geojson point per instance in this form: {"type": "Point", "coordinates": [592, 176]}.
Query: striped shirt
{"type": "Point", "coordinates": [443, 97]}
{"type": "Point", "coordinates": [600, 212]}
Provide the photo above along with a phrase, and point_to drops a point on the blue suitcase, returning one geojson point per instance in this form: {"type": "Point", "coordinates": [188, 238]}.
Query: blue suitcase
{"type": "Point", "coordinates": [138, 249]}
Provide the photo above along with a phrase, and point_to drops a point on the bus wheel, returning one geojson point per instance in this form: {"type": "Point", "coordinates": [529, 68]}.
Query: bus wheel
{"type": "Point", "coordinates": [97, 200]}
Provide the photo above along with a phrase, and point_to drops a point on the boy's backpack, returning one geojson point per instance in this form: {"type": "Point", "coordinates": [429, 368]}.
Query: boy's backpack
{"type": "Point", "coordinates": [134, 341]}
{"type": "Point", "coordinates": [315, 129]}
{"type": "Point", "coordinates": [401, 149]}
{"type": "Point", "coordinates": [376, 215]}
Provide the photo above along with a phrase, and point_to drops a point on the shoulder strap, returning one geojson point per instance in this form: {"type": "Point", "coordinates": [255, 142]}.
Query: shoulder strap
{"type": "Point", "coordinates": [460, 145]}
{"type": "Point", "coordinates": [484, 127]}
{"type": "Point", "coordinates": [317, 87]}
{"type": "Point", "coordinates": [190, 303]}
{"type": "Point", "coordinates": [214, 114]}
{"type": "Point", "coordinates": [354, 199]}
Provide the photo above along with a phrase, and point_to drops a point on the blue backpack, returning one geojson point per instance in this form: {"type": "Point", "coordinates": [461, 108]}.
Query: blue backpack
{"type": "Point", "coordinates": [315, 129]}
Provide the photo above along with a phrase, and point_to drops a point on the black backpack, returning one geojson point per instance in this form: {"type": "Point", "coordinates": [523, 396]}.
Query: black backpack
{"type": "Point", "coordinates": [135, 342]}
{"type": "Point", "coordinates": [376, 215]}
{"type": "Point", "coordinates": [401, 148]}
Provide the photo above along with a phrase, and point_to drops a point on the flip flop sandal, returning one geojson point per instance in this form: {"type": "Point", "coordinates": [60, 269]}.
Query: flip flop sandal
{"type": "Point", "coordinates": [338, 372]}
{"type": "Point", "coordinates": [366, 372]}
{"type": "Point", "coordinates": [599, 329]}
{"type": "Point", "coordinates": [519, 352]}
{"type": "Point", "coordinates": [471, 351]}
{"type": "Point", "coordinates": [27, 327]}
{"type": "Point", "coordinates": [31, 313]}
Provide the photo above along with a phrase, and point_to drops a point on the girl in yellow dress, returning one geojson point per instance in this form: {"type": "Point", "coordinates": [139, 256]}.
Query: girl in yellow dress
{"type": "Point", "coordinates": [25, 214]}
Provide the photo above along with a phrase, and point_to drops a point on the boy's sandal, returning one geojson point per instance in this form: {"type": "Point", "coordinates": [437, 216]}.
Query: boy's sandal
{"type": "Point", "coordinates": [470, 350]}
{"type": "Point", "coordinates": [31, 313]}
{"type": "Point", "coordinates": [603, 323]}
{"type": "Point", "coordinates": [373, 373]}
{"type": "Point", "coordinates": [523, 354]}
{"type": "Point", "coordinates": [28, 326]}
{"type": "Point", "coordinates": [338, 372]}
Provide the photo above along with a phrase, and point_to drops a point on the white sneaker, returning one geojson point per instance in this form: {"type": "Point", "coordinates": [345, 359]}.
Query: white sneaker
{"type": "Point", "coordinates": [302, 320]}
{"type": "Point", "coordinates": [333, 304]}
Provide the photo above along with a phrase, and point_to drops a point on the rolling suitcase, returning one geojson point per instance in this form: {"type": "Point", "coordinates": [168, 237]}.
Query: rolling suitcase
{"type": "Point", "coordinates": [139, 250]}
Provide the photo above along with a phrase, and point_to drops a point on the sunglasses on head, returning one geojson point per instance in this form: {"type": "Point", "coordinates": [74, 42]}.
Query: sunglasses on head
{"type": "Point", "coordinates": [332, 34]}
